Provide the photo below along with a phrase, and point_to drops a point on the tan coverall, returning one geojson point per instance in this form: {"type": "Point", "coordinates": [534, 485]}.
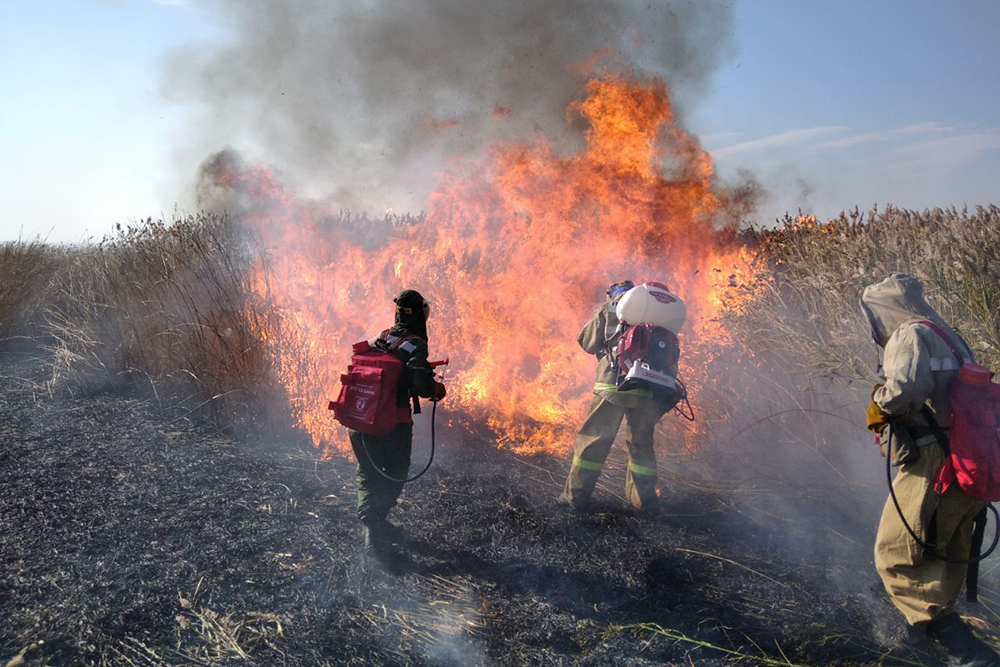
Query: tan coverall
{"type": "Point", "coordinates": [919, 368]}
{"type": "Point", "coordinates": [609, 407]}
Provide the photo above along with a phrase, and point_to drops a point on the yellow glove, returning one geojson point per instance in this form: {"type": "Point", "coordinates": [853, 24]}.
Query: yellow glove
{"type": "Point", "coordinates": [878, 419]}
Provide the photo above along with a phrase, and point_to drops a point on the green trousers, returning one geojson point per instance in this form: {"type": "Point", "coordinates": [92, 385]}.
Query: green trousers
{"type": "Point", "coordinates": [593, 443]}
{"type": "Point", "coordinates": [924, 589]}
{"type": "Point", "coordinates": [391, 453]}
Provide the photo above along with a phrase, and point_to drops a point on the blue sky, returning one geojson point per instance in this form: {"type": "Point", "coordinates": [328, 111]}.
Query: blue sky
{"type": "Point", "coordinates": [830, 104]}
{"type": "Point", "coordinates": [887, 101]}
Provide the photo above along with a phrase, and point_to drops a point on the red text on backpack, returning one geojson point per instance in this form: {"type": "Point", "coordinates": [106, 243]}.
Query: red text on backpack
{"type": "Point", "coordinates": [974, 461]}
{"type": "Point", "coordinates": [367, 401]}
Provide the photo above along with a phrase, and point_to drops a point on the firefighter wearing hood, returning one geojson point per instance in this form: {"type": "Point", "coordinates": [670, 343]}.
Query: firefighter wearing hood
{"type": "Point", "coordinates": [609, 407]}
{"type": "Point", "coordinates": [919, 368]}
{"type": "Point", "coordinates": [391, 453]}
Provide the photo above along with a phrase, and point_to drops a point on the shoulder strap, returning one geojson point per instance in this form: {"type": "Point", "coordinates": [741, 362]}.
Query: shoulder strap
{"type": "Point", "coordinates": [399, 342]}
{"type": "Point", "coordinates": [939, 433]}
{"type": "Point", "coordinates": [943, 335]}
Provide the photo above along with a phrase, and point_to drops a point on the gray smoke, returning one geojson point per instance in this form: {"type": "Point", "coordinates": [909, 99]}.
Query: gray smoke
{"type": "Point", "coordinates": [360, 102]}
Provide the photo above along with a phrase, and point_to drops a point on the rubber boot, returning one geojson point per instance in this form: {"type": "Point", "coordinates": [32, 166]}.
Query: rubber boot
{"type": "Point", "coordinates": [581, 506]}
{"type": "Point", "coordinates": [964, 649]}
{"type": "Point", "coordinates": [393, 533]}
{"type": "Point", "coordinates": [376, 545]}
{"type": "Point", "coordinates": [912, 637]}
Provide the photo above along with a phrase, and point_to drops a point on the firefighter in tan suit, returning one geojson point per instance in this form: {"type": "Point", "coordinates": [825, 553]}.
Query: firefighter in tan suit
{"type": "Point", "coordinates": [593, 443]}
{"type": "Point", "coordinates": [919, 368]}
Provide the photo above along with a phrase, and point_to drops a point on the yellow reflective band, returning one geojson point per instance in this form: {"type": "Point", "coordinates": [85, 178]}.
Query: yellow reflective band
{"type": "Point", "coordinates": [604, 386]}
{"type": "Point", "coordinates": [586, 465]}
{"type": "Point", "coordinates": [641, 470]}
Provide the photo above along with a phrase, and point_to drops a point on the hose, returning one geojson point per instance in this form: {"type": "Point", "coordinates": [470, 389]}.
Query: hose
{"type": "Point", "coordinates": [426, 467]}
{"type": "Point", "coordinates": [929, 549]}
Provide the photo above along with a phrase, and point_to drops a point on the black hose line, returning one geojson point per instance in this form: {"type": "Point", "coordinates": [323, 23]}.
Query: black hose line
{"type": "Point", "coordinates": [930, 549]}
{"type": "Point", "coordinates": [426, 467]}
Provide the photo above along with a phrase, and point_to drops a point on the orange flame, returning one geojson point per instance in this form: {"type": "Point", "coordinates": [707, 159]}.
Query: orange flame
{"type": "Point", "coordinates": [515, 252]}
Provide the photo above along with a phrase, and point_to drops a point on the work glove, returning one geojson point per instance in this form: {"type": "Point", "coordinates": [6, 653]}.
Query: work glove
{"type": "Point", "coordinates": [439, 391]}
{"type": "Point", "coordinates": [878, 419]}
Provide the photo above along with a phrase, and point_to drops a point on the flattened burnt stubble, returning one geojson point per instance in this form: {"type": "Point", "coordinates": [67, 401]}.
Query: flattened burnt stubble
{"type": "Point", "coordinates": [132, 538]}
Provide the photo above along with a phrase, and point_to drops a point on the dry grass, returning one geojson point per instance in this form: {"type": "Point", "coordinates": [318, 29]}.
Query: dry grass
{"type": "Point", "coordinates": [26, 269]}
{"type": "Point", "coordinates": [809, 318]}
{"type": "Point", "coordinates": [181, 308]}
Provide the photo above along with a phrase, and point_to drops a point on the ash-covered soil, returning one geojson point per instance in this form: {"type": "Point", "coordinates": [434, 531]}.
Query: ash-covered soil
{"type": "Point", "coordinates": [130, 537]}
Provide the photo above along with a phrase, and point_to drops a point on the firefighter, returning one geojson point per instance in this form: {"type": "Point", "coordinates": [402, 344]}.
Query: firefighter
{"type": "Point", "coordinates": [593, 443]}
{"type": "Point", "coordinates": [391, 453]}
{"type": "Point", "coordinates": [919, 368]}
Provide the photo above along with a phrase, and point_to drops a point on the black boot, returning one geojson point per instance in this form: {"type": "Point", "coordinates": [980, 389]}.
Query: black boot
{"type": "Point", "coordinates": [964, 649]}
{"type": "Point", "coordinates": [376, 545]}
{"type": "Point", "coordinates": [393, 533]}
{"type": "Point", "coordinates": [913, 636]}
{"type": "Point", "coordinates": [650, 509]}
{"type": "Point", "coordinates": [579, 506]}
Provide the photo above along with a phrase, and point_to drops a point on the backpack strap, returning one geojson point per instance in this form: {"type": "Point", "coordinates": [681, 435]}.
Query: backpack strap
{"type": "Point", "coordinates": [972, 574]}
{"type": "Point", "coordinates": [943, 335]}
{"type": "Point", "coordinates": [939, 433]}
{"type": "Point", "coordinates": [394, 342]}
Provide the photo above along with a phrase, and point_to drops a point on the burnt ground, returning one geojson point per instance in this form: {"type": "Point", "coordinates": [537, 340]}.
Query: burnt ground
{"type": "Point", "coordinates": [129, 537]}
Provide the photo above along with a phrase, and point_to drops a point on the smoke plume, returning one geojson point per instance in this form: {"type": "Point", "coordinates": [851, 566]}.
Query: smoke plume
{"type": "Point", "coordinates": [359, 103]}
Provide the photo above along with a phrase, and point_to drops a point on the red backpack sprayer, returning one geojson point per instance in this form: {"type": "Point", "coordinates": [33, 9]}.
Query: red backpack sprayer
{"type": "Point", "coordinates": [647, 353]}
{"type": "Point", "coordinates": [368, 401]}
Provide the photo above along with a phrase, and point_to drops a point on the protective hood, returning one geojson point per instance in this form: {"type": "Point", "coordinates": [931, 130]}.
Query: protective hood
{"type": "Point", "coordinates": [895, 301]}
{"type": "Point", "coordinates": [411, 312]}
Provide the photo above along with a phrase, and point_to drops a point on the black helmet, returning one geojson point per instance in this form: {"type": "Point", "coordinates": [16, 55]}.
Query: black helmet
{"type": "Point", "coordinates": [412, 310]}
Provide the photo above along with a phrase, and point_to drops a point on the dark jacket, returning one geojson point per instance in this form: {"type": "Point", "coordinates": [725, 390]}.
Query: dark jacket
{"type": "Point", "coordinates": [417, 378]}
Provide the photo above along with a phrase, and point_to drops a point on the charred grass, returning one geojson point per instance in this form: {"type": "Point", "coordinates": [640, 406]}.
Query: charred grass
{"type": "Point", "coordinates": [132, 539]}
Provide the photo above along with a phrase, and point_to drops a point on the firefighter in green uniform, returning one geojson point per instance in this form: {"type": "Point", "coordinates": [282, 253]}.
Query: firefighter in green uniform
{"type": "Point", "coordinates": [641, 412]}
{"type": "Point", "coordinates": [377, 493]}
{"type": "Point", "coordinates": [919, 368]}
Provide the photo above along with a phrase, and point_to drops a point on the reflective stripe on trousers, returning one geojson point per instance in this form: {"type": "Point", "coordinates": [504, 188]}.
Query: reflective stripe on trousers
{"type": "Point", "coordinates": [588, 465]}
{"type": "Point", "coordinates": [641, 470]}
{"type": "Point", "coordinates": [594, 441]}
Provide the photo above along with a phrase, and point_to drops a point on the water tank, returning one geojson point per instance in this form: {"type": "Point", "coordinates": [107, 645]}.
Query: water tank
{"type": "Point", "coordinates": [652, 303]}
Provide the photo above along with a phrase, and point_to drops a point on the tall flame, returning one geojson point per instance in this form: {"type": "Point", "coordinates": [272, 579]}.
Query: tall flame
{"type": "Point", "coordinates": [515, 252]}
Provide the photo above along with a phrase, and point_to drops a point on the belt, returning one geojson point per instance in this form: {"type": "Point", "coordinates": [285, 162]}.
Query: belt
{"type": "Point", "coordinates": [924, 435]}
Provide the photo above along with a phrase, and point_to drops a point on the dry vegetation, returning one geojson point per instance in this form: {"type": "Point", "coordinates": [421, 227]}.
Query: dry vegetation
{"type": "Point", "coordinates": [26, 268]}
{"type": "Point", "coordinates": [171, 308]}
{"type": "Point", "coordinates": [809, 318]}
